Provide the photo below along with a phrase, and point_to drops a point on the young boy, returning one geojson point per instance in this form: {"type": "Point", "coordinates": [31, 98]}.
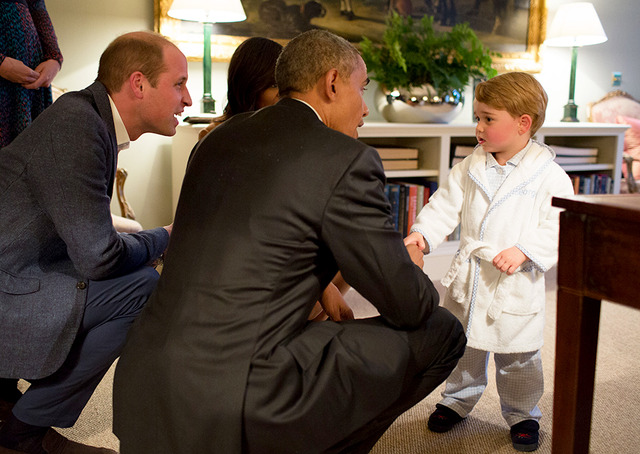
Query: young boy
{"type": "Point", "coordinates": [501, 195]}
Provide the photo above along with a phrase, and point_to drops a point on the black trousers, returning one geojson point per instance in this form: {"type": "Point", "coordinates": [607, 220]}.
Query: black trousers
{"type": "Point", "coordinates": [436, 349]}
{"type": "Point", "coordinates": [432, 352]}
{"type": "Point", "coordinates": [112, 306]}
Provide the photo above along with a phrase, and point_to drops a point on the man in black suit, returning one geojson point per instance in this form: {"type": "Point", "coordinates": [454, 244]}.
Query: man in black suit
{"type": "Point", "coordinates": [70, 285]}
{"type": "Point", "coordinates": [274, 203]}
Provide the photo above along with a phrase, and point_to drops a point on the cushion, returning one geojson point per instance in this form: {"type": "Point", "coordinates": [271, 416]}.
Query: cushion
{"type": "Point", "coordinates": [613, 104]}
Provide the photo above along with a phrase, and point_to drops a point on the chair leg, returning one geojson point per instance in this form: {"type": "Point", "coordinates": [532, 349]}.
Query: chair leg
{"type": "Point", "coordinates": [125, 208]}
{"type": "Point", "coordinates": [632, 186]}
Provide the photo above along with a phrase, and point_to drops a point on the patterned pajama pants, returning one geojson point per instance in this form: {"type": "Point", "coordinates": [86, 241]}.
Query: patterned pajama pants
{"type": "Point", "coordinates": [519, 381]}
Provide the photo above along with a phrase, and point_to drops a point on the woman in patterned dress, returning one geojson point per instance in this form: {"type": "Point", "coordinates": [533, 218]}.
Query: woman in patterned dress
{"type": "Point", "coordinates": [29, 60]}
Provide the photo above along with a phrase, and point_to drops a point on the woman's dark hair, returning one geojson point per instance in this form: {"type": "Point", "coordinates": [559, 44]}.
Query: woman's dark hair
{"type": "Point", "coordinates": [251, 71]}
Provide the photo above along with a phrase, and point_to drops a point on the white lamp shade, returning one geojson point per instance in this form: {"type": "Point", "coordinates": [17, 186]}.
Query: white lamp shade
{"type": "Point", "coordinates": [575, 24]}
{"type": "Point", "coordinates": [207, 10]}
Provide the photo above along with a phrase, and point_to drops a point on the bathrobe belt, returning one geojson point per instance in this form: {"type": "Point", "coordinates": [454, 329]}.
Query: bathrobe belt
{"type": "Point", "coordinates": [482, 251]}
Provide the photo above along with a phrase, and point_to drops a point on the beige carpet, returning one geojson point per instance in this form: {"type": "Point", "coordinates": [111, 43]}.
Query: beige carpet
{"type": "Point", "coordinates": [614, 428]}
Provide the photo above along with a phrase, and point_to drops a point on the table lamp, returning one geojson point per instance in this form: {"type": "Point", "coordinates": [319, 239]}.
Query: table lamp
{"type": "Point", "coordinates": [575, 25]}
{"type": "Point", "coordinates": [208, 12]}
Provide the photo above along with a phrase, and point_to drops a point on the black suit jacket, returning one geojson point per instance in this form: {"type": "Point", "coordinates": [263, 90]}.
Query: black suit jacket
{"type": "Point", "coordinates": [273, 204]}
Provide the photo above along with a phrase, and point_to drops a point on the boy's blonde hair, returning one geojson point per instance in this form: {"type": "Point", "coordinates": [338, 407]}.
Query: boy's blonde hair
{"type": "Point", "coordinates": [518, 93]}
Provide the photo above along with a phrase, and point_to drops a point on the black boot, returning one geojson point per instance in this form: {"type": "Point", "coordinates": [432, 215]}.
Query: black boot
{"type": "Point", "coordinates": [22, 437]}
{"type": "Point", "coordinates": [9, 395]}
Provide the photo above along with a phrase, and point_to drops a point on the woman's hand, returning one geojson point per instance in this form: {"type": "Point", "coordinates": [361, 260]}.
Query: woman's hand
{"type": "Point", "coordinates": [46, 70]}
{"type": "Point", "coordinates": [17, 72]}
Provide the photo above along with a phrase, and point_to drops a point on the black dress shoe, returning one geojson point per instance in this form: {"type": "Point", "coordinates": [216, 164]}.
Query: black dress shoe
{"type": "Point", "coordinates": [443, 419]}
{"type": "Point", "coordinates": [55, 443]}
{"type": "Point", "coordinates": [9, 395]}
{"type": "Point", "coordinates": [5, 409]}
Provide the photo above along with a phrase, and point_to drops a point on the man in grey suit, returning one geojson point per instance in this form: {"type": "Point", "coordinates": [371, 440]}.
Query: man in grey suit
{"type": "Point", "coordinates": [222, 359]}
{"type": "Point", "coordinates": [70, 285]}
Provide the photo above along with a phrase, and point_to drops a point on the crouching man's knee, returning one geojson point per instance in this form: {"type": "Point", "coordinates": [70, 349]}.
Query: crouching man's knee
{"type": "Point", "coordinates": [439, 343]}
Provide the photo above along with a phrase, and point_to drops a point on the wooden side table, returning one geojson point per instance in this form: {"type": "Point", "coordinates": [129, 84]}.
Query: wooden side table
{"type": "Point", "coordinates": [599, 255]}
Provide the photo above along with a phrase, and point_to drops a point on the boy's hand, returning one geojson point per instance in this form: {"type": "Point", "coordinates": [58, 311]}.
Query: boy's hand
{"type": "Point", "coordinates": [417, 239]}
{"type": "Point", "coordinates": [509, 260]}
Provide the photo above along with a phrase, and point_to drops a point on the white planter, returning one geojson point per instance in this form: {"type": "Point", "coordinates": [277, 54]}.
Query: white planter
{"type": "Point", "coordinates": [422, 105]}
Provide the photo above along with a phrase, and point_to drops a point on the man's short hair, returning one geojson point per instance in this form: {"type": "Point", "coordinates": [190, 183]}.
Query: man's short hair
{"type": "Point", "coordinates": [137, 51]}
{"type": "Point", "coordinates": [518, 93]}
{"type": "Point", "coordinates": [309, 56]}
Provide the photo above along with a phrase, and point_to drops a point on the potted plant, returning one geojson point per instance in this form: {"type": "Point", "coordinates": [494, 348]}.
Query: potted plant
{"type": "Point", "coordinates": [421, 72]}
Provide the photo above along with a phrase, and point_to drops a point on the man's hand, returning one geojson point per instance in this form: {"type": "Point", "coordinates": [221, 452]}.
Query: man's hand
{"type": "Point", "coordinates": [416, 255]}
{"type": "Point", "coordinates": [509, 260]}
{"type": "Point", "coordinates": [206, 130]}
{"type": "Point", "coordinates": [334, 304]}
{"type": "Point", "coordinates": [160, 260]}
{"type": "Point", "coordinates": [317, 313]}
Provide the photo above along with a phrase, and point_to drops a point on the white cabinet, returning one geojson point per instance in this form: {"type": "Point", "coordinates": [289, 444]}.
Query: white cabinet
{"type": "Point", "coordinates": [183, 142]}
{"type": "Point", "coordinates": [436, 142]}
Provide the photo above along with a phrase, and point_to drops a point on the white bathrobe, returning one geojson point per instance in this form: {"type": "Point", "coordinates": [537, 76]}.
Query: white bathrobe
{"type": "Point", "coordinates": [502, 313]}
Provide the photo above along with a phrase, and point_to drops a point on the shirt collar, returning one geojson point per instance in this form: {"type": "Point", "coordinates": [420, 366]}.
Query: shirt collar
{"type": "Point", "coordinates": [514, 161]}
{"type": "Point", "coordinates": [310, 106]}
{"type": "Point", "coordinates": [122, 136]}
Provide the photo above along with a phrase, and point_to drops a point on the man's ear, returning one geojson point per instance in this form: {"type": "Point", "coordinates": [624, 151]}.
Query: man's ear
{"type": "Point", "coordinates": [136, 84]}
{"type": "Point", "coordinates": [330, 83]}
{"type": "Point", "coordinates": [525, 124]}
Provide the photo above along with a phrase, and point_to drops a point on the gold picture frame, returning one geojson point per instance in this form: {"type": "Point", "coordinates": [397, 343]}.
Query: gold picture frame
{"type": "Point", "coordinates": [529, 60]}
{"type": "Point", "coordinates": [189, 37]}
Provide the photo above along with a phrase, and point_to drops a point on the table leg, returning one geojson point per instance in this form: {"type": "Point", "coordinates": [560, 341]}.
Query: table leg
{"type": "Point", "coordinates": [577, 327]}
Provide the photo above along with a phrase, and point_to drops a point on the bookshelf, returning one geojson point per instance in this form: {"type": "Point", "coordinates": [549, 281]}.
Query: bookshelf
{"type": "Point", "coordinates": [435, 143]}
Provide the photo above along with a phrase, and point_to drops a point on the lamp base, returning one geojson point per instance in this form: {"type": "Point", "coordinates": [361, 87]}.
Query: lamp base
{"type": "Point", "coordinates": [208, 104]}
{"type": "Point", "coordinates": [570, 112]}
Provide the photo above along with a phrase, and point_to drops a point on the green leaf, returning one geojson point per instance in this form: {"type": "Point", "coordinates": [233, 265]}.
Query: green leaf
{"type": "Point", "coordinates": [414, 54]}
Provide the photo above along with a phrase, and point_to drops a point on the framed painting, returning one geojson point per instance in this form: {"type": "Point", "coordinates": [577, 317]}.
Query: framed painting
{"type": "Point", "coordinates": [515, 28]}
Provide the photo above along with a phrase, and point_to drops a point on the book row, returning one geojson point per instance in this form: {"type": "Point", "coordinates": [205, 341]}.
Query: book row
{"type": "Point", "coordinates": [398, 158]}
{"type": "Point", "coordinates": [407, 158]}
{"type": "Point", "coordinates": [595, 183]}
{"type": "Point", "coordinates": [564, 155]}
{"type": "Point", "coordinates": [407, 199]}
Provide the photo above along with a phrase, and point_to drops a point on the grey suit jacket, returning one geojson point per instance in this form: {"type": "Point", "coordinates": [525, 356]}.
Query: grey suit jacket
{"type": "Point", "coordinates": [272, 205]}
{"type": "Point", "coordinates": [56, 233]}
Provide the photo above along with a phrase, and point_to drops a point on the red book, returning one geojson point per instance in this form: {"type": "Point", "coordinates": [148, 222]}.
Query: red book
{"type": "Point", "coordinates": [412, 206]}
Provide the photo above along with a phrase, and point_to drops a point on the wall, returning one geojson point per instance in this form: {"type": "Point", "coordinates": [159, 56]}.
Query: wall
{"type": "Point", "coordinates": [84, 29]}
{"type": "Point", "coordinates": [596, 63]}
